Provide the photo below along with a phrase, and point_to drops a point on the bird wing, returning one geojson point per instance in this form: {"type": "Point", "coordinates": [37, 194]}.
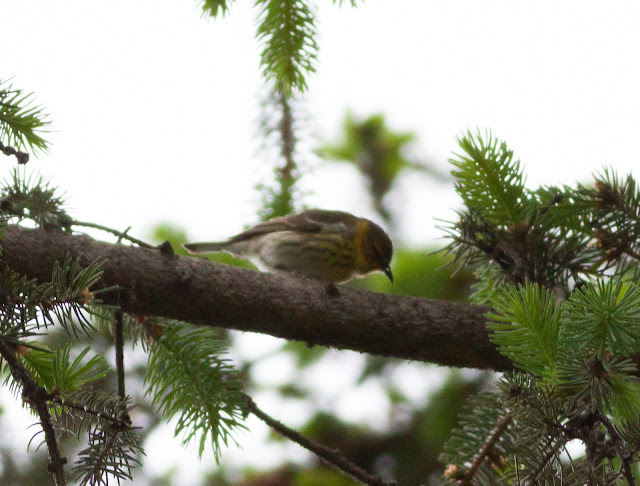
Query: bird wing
{"type": "Point", "coordinates": [309, 221]}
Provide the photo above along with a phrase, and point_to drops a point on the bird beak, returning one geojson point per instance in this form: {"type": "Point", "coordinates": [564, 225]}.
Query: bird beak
{"type": "Point", "coordinates": [387, 272]}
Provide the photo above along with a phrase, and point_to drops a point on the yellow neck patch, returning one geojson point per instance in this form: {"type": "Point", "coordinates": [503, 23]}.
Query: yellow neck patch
{"type": "Point", "coordinates": [362, 229]}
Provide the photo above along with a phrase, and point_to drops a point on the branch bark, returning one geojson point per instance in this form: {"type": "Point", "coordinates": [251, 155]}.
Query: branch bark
{"type": "Point", "coordinates": [158, 283]}
{"type": "Point", "coordinates": [37, 397]}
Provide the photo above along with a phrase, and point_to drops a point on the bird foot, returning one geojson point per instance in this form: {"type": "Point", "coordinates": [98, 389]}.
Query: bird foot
{"type": "Point", "coordinates": [332, 290]}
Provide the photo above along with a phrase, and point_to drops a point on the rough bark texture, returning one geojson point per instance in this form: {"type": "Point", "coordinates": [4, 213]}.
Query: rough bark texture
{"type": "Point", "coordinates": [158, 283]}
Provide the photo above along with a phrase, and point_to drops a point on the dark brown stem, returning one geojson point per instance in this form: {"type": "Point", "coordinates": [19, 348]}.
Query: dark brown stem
{"type": "Point", "coordinates": [624, 456]}
{"type": "Point", "coordinates": [287, 138]}
{"type": "Point", "coordinates": [550, 455]}
{"type": "Point", "coordinates": [122, 235]}
{"type": "Point", "coordinates": [104, 455]}
{"type": "Point", "coordinates": [37, 398]}
{"type": "Point", "coordinates": [119, 345]}
{"type": "Point", "coordinates": [632, 253]}
{"type": "Point", "coordinates": [115, 421]}
{"type": "Point", "coordinates": [486, 449]}
{"type": "Point", "coordinates": [201, 292]}
{"type": "Point", "coordinates": [22, 157]}
{"type": "Point", "coordinates": [331, 456]}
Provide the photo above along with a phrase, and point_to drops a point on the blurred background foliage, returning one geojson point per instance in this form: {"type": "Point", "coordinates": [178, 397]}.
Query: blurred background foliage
{"type": "Point", "coordinates": [407, 450]}
{"type": "Point", "coordinates": [406, 446]}
{"type": "Point", "coordinates": [379, 154]}
{"type": "Point", "coordinates": [404, 441]}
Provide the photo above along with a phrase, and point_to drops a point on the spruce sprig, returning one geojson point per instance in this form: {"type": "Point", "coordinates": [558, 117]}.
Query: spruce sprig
{"type": "Point", "coordinates": [57, 372]}
{"type": "Point", "coordinates": [489, 180]}
{"type": "Point", "coordinates": [26, 195]}
{"type": "Point", "coordinates": [21, 122]}
{"type": "Point", "coordinates": [287, 32]}
{"type": "Point", "coordinates": [559, 267]}
{"type": "Point", "coordinates": [482, 414]}
{"type": "Point", "coordinates": [114, 446]}
{"type": "Point", "coordinates": [538, 413]}
{"type": "Point", "coordinates": [67, 300]}
{"type": "Point", "coordinates": [20, 315]}
{"type": "Point", "coordinates": [71, 285]}
{"type": "Point", "coordinates": [526, 323]}
{"type": "Point", "coordinates": [603, 317]}
{"type": "Point", "coordinates": [186, 377]}
{"type": "Point", "coordinates": [214, 8]}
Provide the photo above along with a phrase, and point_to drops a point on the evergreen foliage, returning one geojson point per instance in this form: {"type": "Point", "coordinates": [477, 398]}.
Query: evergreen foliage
{"type": "Point", "coordinates": [289, 48]}
{"type": "Point", "coordinates": [21, 122]}
{"type": "Point", "coordinates": [180, 358]}
{"type": "Point", "coordinates": [489, 180]}
{"type": "Point", "coordinates": [377, 152]}
{"type": "Point", "coordinates": [62, 384]}
{"type": "Point", "coordinates": [187, 377]}
{"type": "Point", "coordinates": [56, 370]}
{"type": "Point", "coordinates": [526, 322]}
{"type": "Point", "coordinates": [215, 7]}
{"type": "Point", "coordinates": [279, 127]}
{"type": "Point", "coordinates": [28, 196]}
{"type": "Point", "coordinates": [113, 448]}
{"type": "Point", "coordinates": [557, 266]}
{"type": "Point", "coordinates": [287, 34]}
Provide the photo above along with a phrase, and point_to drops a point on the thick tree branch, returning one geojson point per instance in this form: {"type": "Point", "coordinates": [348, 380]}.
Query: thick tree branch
{"type": "Point", "coordinates": [287, 306]}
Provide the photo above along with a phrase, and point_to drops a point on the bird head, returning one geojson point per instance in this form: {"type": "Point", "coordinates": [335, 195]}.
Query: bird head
{"type": "Point", "coordinates": [377, 250]}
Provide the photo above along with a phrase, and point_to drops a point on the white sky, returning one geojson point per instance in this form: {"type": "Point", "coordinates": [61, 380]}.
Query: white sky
{"type": "Point", "coordinates": [155, 109]}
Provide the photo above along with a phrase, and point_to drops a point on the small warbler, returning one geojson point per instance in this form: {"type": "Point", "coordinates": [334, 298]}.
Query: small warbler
{"type": "Point", "coordinates": [331, 245]}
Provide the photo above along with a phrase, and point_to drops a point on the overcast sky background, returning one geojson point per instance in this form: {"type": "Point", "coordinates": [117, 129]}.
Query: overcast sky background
{"type": "Point", "coordinates": [155, 109]}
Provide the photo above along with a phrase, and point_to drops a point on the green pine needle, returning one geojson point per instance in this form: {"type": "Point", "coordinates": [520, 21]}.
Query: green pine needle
{"type": "Point", "coordinates": [604, 317]}
{"type": "Point", "coordinates": [289, 50]}
{"type": "Point", "coordinates": [114, 445]}
{"type": "Point", "coordinates": [70, 283]}
{"type": "Point", "coordinates": [489, 180]}
{"type": "Point", "coordinates": [56, 370]}
{"type": "Point", "coordinates": [526, 322]}
{"type": "Point", "coordinates": [482, 413]}
{"type": "Point", "coordinates": [186, 377]}
{"type": "Point", "coordinates": [21, 122]}
{"type": "Point", "coordinates": [28, 195]}
{"type": "Point", "coordinates": [214, 7]}
{"type": "Point", "coordinates": [625, 399]}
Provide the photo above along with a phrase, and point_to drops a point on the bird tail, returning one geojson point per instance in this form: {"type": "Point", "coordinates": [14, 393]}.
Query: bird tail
{"type": "Point", "coordinates": [198, 248]}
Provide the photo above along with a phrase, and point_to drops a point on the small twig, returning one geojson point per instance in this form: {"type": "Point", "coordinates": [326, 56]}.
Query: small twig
{"type": "Point", "coordinates": [617, 441]}
{"type": "Point", "coordinates": [37, 397]}
{"type": "Point", "coordinates": [331, 456]}
{"type": "Point", "coordinates": [102, 458]}
{"type": "Point", "coordinates": [551, 454]}
{"type": "Point", "coordinates": [22, 157]}
{"type": "Point", "coordinates": [66, 403]}
{"type": "Point", "coordinates": [119, 345]}
{"type": "Point", "coordinates": [491, 441]}
{"type": "Point", "coordinates": [287, 138]}
{"type": "Point", "coordinates": [122, 235]}
{"type": "Point", "coordinates": [632, 253]}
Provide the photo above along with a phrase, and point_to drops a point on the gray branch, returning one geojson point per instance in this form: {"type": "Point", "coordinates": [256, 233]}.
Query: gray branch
{"type": "Point", "coordinates": [157, 283]}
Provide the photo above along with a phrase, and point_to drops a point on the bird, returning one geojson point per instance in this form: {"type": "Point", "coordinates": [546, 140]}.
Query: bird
{"type": "Point", "coordinates": [334, 246]}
